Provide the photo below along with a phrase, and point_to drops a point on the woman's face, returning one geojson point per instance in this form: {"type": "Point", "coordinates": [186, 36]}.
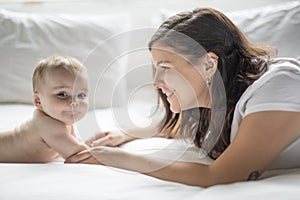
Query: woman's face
{"type": "Point", "coordinates": [183, 84]}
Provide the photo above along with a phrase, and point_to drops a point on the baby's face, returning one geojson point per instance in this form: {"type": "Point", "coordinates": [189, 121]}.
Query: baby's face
{"type": "Point", "coordinates": [64, 96]}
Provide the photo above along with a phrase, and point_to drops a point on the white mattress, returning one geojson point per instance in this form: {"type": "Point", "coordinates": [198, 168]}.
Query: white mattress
{"type": "Point", "coordinates": [80, 181]}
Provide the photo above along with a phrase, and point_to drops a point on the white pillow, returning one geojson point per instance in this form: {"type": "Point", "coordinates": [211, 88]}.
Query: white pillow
{"type": "Point", "coordinates": [277, 25]}
{"type": "Point", "coordinates": [26, 37]}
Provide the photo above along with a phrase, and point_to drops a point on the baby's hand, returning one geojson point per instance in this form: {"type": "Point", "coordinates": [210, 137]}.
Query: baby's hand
{"type": "Point", "coordinates": [83, 157]}
{"type": "Point", "coordinates": [109, 138]}
{"type": "Point", "coordinates": [78, 157]}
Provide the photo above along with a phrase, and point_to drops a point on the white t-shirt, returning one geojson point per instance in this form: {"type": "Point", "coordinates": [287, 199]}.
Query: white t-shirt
{"type": "Point", "coordinates": [277, 89]}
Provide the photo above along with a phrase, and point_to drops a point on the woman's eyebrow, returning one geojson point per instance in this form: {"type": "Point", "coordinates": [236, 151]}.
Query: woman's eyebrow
{"type": "Point", "coordinates": [162, 61]}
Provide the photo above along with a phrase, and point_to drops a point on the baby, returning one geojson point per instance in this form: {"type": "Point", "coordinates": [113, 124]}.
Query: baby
{"type": "Point", "coordinates": [60, 89]}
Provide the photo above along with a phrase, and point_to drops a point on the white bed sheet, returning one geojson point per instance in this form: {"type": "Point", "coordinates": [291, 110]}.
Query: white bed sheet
{"type": "Point", "coordinates": [58, 181]}
{"type": "Point", "coordinates": [80, 181]}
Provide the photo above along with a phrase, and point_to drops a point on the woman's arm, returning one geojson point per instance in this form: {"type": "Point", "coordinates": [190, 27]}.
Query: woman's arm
{"type": "Point", "coordinates": [260, 139]}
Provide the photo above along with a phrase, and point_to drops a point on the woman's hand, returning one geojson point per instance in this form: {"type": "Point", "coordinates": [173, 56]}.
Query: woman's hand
{"type": "Point", "coordinates": [109, 138]}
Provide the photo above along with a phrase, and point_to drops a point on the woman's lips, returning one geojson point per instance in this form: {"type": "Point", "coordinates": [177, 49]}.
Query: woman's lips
{"type": "Point", "coordinates": [169, 94]}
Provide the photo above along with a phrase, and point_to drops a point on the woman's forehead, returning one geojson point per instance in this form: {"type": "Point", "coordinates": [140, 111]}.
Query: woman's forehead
{"type": "Point", "coordinates": [165, 55]}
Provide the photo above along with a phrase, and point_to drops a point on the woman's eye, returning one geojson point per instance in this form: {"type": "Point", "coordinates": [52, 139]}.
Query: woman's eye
{"type": "Point", "coordinates": [82, 95]}
{"type": "Point", "coordinates": [164, 68]}
{"type": "Point", "coordinates": [62, 95]}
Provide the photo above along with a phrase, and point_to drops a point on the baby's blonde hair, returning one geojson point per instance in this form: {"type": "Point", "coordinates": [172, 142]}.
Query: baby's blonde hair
{"type": "Point", "coordinates": [55, 62]}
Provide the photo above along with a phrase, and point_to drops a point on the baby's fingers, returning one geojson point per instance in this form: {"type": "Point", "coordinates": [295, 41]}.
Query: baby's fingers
{"type": "Point", "coordinates": [83, 155]}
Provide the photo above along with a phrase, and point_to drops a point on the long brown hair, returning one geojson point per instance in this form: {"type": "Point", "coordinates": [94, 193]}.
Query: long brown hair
{"type": "Point", "coordinates": [240, 63]}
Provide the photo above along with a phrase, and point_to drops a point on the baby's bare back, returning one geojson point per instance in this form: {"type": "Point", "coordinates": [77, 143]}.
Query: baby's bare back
{"type": "Point", "coordinates": [24, 144]}
{"type": "Point", "coordinates": [39, 140]}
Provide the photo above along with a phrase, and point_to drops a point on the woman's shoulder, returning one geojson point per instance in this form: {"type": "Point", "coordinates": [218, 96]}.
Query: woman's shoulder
{"type": "Point", "coordinates": [279, 69]}
{"type": "Point", "coordinates": [276, 86]}
{"type": "Point", "coordinates": [284, 64]}
{"type": "Point", "coordinates": [276, 89]}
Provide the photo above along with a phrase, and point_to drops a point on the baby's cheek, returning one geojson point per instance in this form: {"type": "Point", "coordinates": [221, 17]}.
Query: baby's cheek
{"type": "Point", "coordinates": [85, 106]}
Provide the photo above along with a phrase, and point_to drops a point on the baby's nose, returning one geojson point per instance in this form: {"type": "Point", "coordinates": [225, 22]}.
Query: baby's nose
{"type": "Point", "coordinates": [74, 103]}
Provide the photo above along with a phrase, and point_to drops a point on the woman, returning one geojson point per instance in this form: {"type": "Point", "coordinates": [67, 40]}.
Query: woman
{"type": "Point", "coordinates": [224, 93]}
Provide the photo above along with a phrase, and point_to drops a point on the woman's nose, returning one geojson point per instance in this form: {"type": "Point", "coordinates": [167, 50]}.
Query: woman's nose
{"type": "Point", "coordinates": [156, 85]}
{"type": "Point", "coordinates": [157, 80]}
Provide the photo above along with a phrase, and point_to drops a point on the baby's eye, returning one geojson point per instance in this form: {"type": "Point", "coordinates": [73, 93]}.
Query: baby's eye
{"type": "Point", "coordinates": [82, 95]}
{"type": "Point", "coordinates": [62, 95]}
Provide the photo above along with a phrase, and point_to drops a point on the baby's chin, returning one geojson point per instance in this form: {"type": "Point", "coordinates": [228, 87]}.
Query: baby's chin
{"type": "Point", "coordinates": [77, 117]}
{"type": "Point", "coordinates": [72, 121]}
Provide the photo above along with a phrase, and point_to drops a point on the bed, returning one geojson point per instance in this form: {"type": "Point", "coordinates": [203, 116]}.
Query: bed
{"type": "Point", "coordinates": [57, 180]}
{"type": "Point", "coordinates": [123, 92]}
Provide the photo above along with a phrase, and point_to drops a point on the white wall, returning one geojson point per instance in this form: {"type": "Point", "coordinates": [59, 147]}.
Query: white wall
{"type": "Point", "coordinates": [145, 13]}
{"type": "Point", "coordinates": [141, 10]}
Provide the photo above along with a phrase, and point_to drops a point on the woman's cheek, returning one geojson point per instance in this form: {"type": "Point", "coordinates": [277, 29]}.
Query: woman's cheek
{"type": "Point", "coordinates": [185, 93]}
{"type": "Point", "coordinates": [174, 104]}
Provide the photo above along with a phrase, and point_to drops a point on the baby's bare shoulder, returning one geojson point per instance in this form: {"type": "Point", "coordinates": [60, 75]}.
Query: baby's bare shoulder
{"type": "Point", "coordinates": [45, 124]}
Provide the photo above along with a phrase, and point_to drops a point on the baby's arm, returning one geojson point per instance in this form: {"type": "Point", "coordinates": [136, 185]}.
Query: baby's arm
{"type": "Point", "coordinates": [56, 135]}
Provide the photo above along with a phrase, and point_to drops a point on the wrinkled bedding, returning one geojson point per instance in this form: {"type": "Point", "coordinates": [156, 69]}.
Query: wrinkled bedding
{"type": "Point", "coordinates": [80, 181]}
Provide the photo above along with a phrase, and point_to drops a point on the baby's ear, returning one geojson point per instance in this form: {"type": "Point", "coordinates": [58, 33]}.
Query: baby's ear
{"type": "Point", "coordinates": [36, 100]}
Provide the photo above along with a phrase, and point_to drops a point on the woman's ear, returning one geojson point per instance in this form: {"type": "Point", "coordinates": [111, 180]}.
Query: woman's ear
{"type": "Point", "coordinates": [211, 65]}
{"type": "Point", "coordinates": [36, 100]}
{"type": "Point", "coordinates": [212, 60]}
